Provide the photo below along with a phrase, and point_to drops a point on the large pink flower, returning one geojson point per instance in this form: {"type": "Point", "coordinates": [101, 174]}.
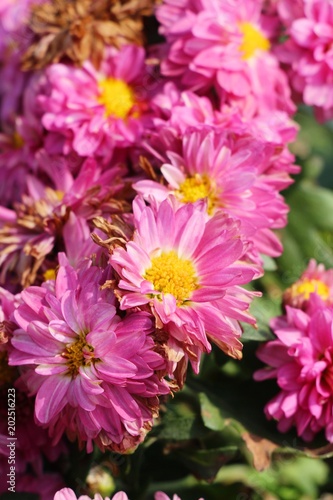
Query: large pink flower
{"type": "Point", "coordinates": [94, 375]}
{"type": "Point", "coordinates": [309, 51]}
{"type": "Point", "coordinates": [98, 110]}
{"type": "Point", "coordinates": [301, 360]}
{"type": "Point", "coordinates": [225, 44]}
{"type": "Point", "coordinates": [229, 173]}
{"type": "Point", "coordinates": [188, 269]}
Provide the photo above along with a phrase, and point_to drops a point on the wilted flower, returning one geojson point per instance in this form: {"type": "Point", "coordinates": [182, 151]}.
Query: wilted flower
{"type": "Point", "coordinates": [80, 29]}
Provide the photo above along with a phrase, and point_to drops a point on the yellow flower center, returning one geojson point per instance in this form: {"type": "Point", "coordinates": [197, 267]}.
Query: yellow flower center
{"type": "Point", "coordinates": [253, 40]}
{"type": "Point", "coordinates": [171, 274]}
{"type": "Point", "coordinates": [7, 373]}
{"type": "Point", "coordinates": [116, 96]}
{"type": "Point", "coordinates": [197, 188]}
{"type": "Point", "coordinates": [80, 353]}
{"type": "Point", "coordinates": [305, 287]}
{"type": "Point", "coordinates": [50, 274]}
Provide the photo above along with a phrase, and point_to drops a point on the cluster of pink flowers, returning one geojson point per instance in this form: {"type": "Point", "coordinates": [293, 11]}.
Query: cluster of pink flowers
{"type": "Point", "coordinates": [135, 207]}
{"type": "Point", "coordinates": [301, 356]}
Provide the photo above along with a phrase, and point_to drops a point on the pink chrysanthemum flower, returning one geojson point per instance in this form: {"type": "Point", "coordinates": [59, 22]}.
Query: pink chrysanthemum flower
{"type": "Point", "coordinates": [226, 172]}
{"type": "Point", "coordinates": [187, 268]}
{"type": "Point", "coordinates": [68, 494]}
{"type": "Point", "coordinates": [37, 224]}
{"type": "Point", "coordinates": [95, 374]}
{"type": "Point", "coordinates": [301, 360]}
{"type": "Point", "coordinates": [315, 279]}
{"type": "Point", "coordinates": [176, 111]}
{"type": "Point", "coordinates": [226, 45]}
{"type": "Point", "coordinates": [309, 51]}
{"type": "Point", "coordinates": [98, 110]}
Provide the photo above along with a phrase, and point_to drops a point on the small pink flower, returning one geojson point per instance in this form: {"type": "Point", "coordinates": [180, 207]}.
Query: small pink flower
{"type": "Point", "coordinates": [314, 280]}
{"type": "Point", "coordinates": [68, 494]}
{"type": "Point", "coordinates": [301, 360]}
{"type": "Point", "coordinates": [188, 269]}
{"type": "Point", "coordinates": [94, 378]}
{"type": "Point", "coordinates": [98, 110]}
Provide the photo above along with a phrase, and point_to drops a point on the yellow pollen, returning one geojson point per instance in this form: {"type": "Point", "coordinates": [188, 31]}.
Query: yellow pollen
{"type": "Point", "coordinates": [172, 274]}
{"type": "Point", "coordinates": [305, 287]}
{"type": "Point", "coordinates": [117, 97]}
{"type": "Point", "coordinates": [59, 194]}
{"type": "Point", "coordinates": [197, 188]}
{"type": "Point", "coordinates": [253, 40]}
{"type": "Point", "coordinates": [50, 274]}
{"type": "Point", "coordinates": [7, 373]}
{"type": "Point", "coordinates": [80, 353]}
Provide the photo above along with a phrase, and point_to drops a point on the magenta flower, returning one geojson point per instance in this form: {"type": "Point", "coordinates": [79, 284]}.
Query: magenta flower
{"type": "Point", "coordinates": [315, 279]}
{"type": "Point", "coordinates": [301, 360]}
{"type": "Point", "coordinates": [309, 52]}
{"type": "Point", "coordinates": [95, 374]}
{"type": "Point", "coordinates": [228, 173]}
{"type": "Point", "coordinates": [226, 45]}
{"type": "Point", "coordinates": [187, 268]}
{"type": "Point", "coordinates": [98, 111]}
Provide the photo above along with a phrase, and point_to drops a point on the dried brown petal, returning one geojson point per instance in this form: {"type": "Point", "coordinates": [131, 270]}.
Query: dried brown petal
{"type": "Point", "coordinates": [80, 29]}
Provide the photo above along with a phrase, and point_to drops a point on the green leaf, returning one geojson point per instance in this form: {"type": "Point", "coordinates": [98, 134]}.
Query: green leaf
{"type": "Point", "coordinates": [315, 203]}
{"type": "Point", "coordinates": [181, 421]}
{"type": "Point", "coordinates": [179, 427]}
{"type": "Point", "coordinates": [212, 415]}
{"type": "Point", "coordinates": [205, 464]}
{"type": "Point", "coordinates": [263, 309]}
